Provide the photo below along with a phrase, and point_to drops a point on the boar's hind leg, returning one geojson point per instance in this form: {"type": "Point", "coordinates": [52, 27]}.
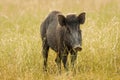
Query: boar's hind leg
{"type": "Point", "coordinates": [45, 49]}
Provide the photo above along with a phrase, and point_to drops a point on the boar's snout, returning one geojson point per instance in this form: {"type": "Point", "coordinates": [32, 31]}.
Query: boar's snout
{"type": "Point", "coordinates": [77, 47]}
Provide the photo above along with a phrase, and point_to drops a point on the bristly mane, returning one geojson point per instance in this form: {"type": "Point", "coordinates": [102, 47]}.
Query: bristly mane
{"type": "Point", "coordinates": [71, 18]}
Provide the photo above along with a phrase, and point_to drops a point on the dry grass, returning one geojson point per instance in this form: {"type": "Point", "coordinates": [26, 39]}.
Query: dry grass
{"type": "Point", "coordinates": [20, 43]}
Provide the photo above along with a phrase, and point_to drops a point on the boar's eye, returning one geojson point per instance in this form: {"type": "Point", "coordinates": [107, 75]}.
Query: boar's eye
{"type": "Point", "coordinates": [68, 30]}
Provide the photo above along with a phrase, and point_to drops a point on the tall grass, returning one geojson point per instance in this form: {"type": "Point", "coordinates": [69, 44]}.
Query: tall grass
{"type": "Point", "coordinates": [20, 43]}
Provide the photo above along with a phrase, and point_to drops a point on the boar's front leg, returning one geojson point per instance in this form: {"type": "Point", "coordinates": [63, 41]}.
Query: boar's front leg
{"type": "Point", "coordinates": [73, 58]}
{"type": "Point", "coordinates": [58, 61]}
{"type": "Point", "coordinates": [64, 60]}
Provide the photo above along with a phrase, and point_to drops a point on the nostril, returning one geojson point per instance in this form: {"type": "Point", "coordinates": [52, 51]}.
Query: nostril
{"type": "Point", "coordinates": [78, 48]}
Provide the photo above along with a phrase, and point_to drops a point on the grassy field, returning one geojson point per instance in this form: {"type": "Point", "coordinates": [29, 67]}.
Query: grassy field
{"type": "Point", "coordinates": [20, 42]}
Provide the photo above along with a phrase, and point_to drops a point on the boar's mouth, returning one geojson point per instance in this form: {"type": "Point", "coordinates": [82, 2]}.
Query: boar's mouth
{"type": "Point", "coordinates": [77, 48]}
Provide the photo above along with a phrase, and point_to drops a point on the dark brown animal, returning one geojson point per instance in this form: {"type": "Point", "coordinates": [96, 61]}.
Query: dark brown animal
{"type": "Point", "coordinates": [63, 35]}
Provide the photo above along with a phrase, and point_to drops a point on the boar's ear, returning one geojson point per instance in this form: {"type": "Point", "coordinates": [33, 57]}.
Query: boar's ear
{"type": "Point", "coordinates": [61, 20]}
{"type": "Point", "coordinates": [81, 18]}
